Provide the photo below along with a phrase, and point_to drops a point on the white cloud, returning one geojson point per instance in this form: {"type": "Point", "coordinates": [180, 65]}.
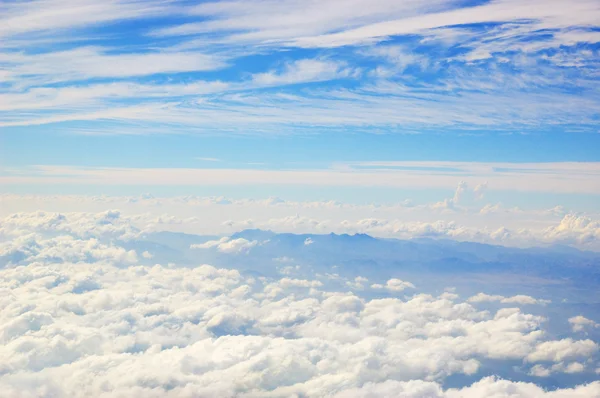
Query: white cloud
{"type": "Point", "coordinates": [487, 387]}
{"type": "Point", "coordinates": [460, 191]}
{"type": "Point", "coordinates": [288, 283]}
{"type": "Point", "coordinates": [574, 228]}
{"type": "Point", "coordinates": [267, 112]}
{"type": "Point", "coordinates": [204, 215]}
{"type": "Point", "coordinates": [533, 177]}
{"type": "Point", "coordinates": [303, 71]}
{"type": "Point", "coordinates": [560, 350]}
{"type": "Point", "coordinates": [326, 24]}
{"type": "Point", "coordinates": [73, 42]}
{"type": "Point", "coordinates": [277, 21]}
{"type": "Point", "coordinates": [542, 371]}
{"type": "Point", "coordinates": [394, 285]}
{"type": "Point", "coordinates": [209, 159]}
{"type": "Point", "coordinates": [147, 254]}
{"type": "Point", "coordinates": [552, 16]}
{"type": "Point", "coordinates": [227, 245]}
{"type": "Point", "coordinates": [87, 327]}
{"type": "Point", "coordinates": [480, 190]}
{"type": "Point", "coordinates": [53, 16]}
{"type": "Point", "coordinates": [397, 57]}
{"type": "Point", "coordinates": [91, 62]}
{"type": "Point", "coordinates": [358, 283]}
{"type": "Point", "coordinates": [580, 323]}
{"type": "Point", "coordinates": [518, 299]}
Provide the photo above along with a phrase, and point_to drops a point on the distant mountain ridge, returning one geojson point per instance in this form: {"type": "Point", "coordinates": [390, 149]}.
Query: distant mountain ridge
{"type": "Point", "coordinates": [378, 257]}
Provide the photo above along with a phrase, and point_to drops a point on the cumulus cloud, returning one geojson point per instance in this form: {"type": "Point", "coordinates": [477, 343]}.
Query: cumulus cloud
{"type": "Point", "coordinates": [227, 245]}
{"type": "Point", "coordinates": [580, 323]}
{"type": "Point", "coordinates": [574, 229]}
{"type": "Point", "coordinates": [542, 371]}
{"type": "Point", "coordinates": [488, 224]}
{"type": "Point", "coordinates": [460, 191]}
{"type": "Point", "coordinates": [480, 190]}
{"type": "Point", "coordinates": [358, 283]}
{"type": "Point", "coordinates": [97, 325]}
{"type": "Point", "coordinates": [147, 254]}
{"type": "Point", "coordinates": [394, 285]}
{"type": "Point", "coordinates": [487, 387]}
{"type": "Point", "coordinates": [561, 350]}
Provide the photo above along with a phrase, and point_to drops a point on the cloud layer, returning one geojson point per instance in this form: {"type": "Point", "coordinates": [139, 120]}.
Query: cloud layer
{"type": "Point", "coordinates": [81, 317]}
{"type": "Point", "coordinates": [464, 217]}
{"type": "Point", "coordinates": [409, 66]}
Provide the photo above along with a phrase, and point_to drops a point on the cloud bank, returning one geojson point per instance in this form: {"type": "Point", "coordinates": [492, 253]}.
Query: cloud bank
{"type": "Point", "coordinates": [81, 317]}
{"type": "Point", "coordinates": [470, 219]}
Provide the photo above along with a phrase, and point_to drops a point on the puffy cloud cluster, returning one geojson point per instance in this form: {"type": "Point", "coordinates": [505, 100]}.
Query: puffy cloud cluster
{"type": "Point", "coordinates": [80, 317]}
{"type": "Point", "coordinates": [227, 245]}
{"type": "Point", "coordinates": [580, 323]}
{"type": "Point", "coordinates": [98, 330]}
{"type": "Point", "coordinates": [55, 238]}
{"type": "Point", "coordinates": [560, 350]}
{"type": "Point", "coordinates": [461, 193]}
{"type": "Point", "coordinates": [574, 229]}
{"type": "Point", "coordinates": [107, 224]}
{"type": "Point", "coordinates": [394, 285]}
{"type": "Point", "coordinates": [464, 221]}
{"type": "Point", "coordinates": [577, 231]}
{"type": "Point", "coordinates": [542, 371]}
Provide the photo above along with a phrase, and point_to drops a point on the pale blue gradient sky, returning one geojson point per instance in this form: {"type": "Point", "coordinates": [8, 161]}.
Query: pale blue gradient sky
{"type": "Point", "coordinates": [299, 86]}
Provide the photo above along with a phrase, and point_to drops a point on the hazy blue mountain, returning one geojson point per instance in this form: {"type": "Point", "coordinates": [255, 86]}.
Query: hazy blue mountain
{"type": "Point", "coordinates": [436, 262]}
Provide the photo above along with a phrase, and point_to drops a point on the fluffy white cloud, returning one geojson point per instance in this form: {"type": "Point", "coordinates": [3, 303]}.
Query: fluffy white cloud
{"type": "Point", "coordinates": [227, 245]}
{"type": "Point", "coordinates": [487, 387]}
{"type": "Point", "coordinates": [106, 224]}
{"type": "Point", "coordinates": [394, 285]}
{"type": "Point", "coordinates": [93, 324]}
{"type": "Point", "coordinates": [480, 190]}
{"type": "Point", "coordinates": [160, 331]}
{"type": "Point", "coordinates": [542, 371]}
{"type": "Point", "coordinates": [560, 350]}
{"type": "Point", "coordinates": [579, 323]}
{"type": "Point", "coordinates": [574, 229]}
{"type": "Point", "coordinates": [203, 215]}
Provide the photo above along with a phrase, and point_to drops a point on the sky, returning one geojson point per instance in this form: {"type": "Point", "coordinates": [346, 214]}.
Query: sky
{"type": "Point", "coordinates": [360, 103]}
{"type": "Point", "coordinates": [299, 198]}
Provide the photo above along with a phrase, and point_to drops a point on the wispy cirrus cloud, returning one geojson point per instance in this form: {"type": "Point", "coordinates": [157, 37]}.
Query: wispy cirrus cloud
{"type": "Point", "coordinates": [84, 63]}
{"type": "Point", "coordinates": [49, 16]}
{"type": "Point", "coordinates": [303, 71]}
{"type": "Point", "coordinates": [277, 21]}
{"type": "Point", "coordinates": [331, 23]}
{"type": "Point", "coordinates": [405, 66]}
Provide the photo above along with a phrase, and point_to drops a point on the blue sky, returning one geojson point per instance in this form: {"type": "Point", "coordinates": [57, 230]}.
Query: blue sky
{"type": "Point", "coordinates": [293, 85]}
{"type": "Point", "coordinates": [140, 139]}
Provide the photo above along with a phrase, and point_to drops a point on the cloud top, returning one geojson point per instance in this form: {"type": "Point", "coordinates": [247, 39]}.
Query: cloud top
{"type": "Point", "coordinates": [103, 325]}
